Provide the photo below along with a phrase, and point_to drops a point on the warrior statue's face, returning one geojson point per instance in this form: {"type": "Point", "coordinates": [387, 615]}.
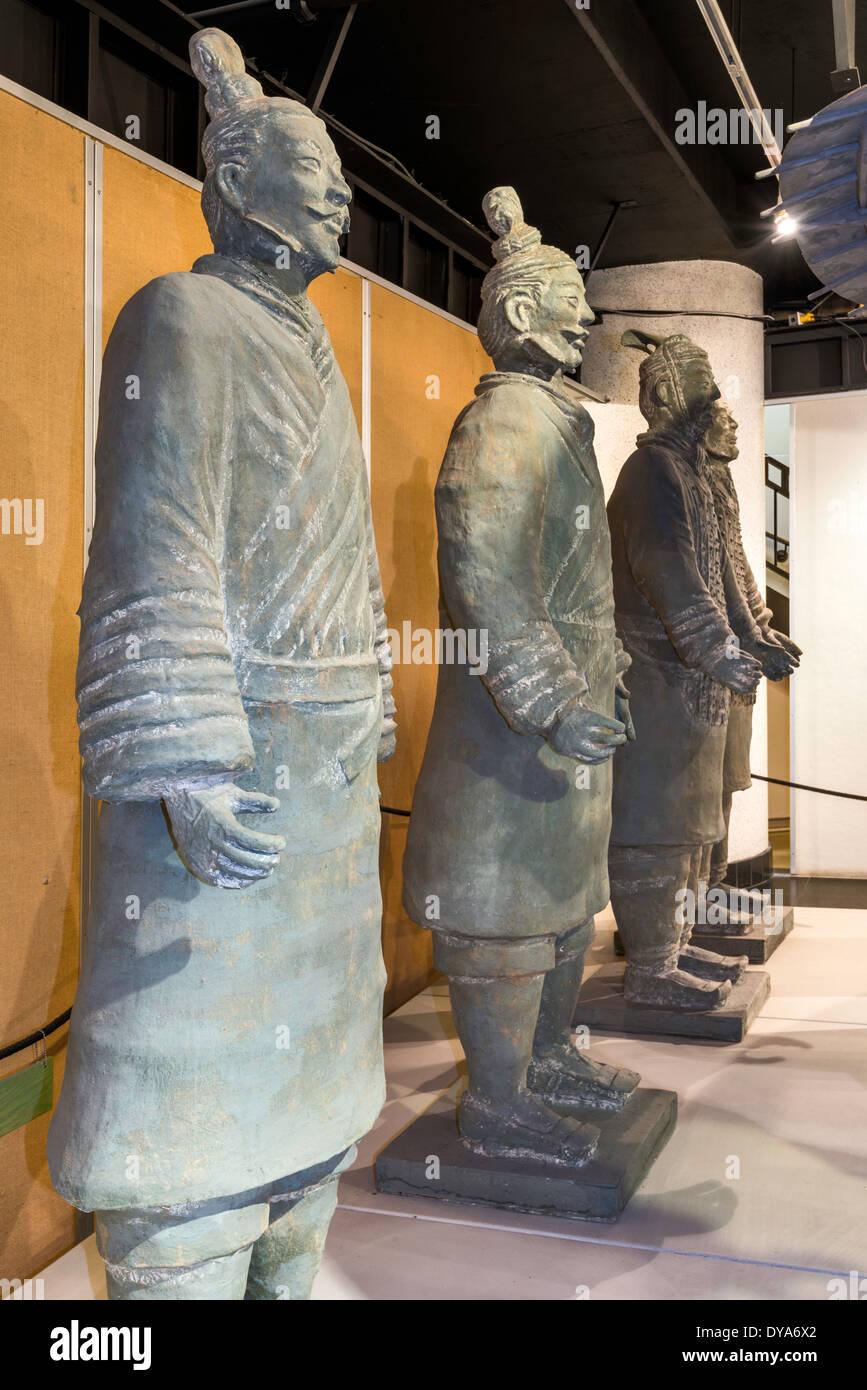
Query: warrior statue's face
{"type": "Point", "coordinates": [721, 440]}
{"type": "Point", "coordinates": [293, 187]}
{"type": "Point", "coordinates": [552, 330]}
{"type": "Point", "coordinates": [698, 391]}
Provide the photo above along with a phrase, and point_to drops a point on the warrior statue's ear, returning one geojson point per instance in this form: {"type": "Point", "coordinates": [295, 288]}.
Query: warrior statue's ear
{"type": "Point", "coordinates": [518, 307]}
{"type": "Point", "coordinates": [663, 393]}
{"type": "Point", "coordinates": [229, 181]}
{"type": "Point", "coordinates": [634, 338]}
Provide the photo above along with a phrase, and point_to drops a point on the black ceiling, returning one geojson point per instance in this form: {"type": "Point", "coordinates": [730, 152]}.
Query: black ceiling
{"type": "Point", "coordinates": [575, 108]}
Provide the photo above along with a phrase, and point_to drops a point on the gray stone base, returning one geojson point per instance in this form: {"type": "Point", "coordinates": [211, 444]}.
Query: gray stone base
{"type": "Point", "coordinates": [601, 1005]}
{"type": "Point", "coordinates": [598, 1191]}
{"type": "Point", "coordinates": [758, 944]}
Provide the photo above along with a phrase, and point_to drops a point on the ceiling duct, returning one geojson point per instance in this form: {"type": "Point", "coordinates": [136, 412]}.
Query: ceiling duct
{"type": "Point", "coordinates": [845, 77]}
{"type": "Point", "coordinates": [736, 69]}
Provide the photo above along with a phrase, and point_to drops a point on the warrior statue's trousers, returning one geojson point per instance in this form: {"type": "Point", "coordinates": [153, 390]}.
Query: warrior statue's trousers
{"type": "Point", "coordinates": [736, 777]}
{"type": "Point", "coordinates": [720, 853]}
{"type": "Point", "coordinates": [699, 885]}
{"type": "Point", "coordinates": [264, 1244]}
{"type": "Point", "coordinates": [512, 999]}
{"type": "Point", "coordinates": [648, 884]}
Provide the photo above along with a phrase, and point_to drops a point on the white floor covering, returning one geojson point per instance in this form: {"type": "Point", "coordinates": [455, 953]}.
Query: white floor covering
{"type": "Point", "coordinates": [786, 1109]}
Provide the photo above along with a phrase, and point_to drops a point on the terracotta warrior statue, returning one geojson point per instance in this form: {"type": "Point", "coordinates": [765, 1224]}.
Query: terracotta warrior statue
{"type": "Point", "coordinates": [732, 909]}
{"type": "Point", "coordinates": [506, 853]}
{"type": "Point", "coordinates": [225, 1047]}
{"type": "Point", "coordinates": [693, 641]}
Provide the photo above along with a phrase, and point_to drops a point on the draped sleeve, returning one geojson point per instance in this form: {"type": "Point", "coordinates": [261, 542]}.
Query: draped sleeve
{"type": "Point", "coordinates": [740, 614]}
{"type": "Point", "coordinates": [158, 702]}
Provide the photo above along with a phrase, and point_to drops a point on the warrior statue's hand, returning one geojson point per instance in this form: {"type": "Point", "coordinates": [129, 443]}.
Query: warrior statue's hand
{"type": "Point", "coordinates": [387, 741]}
{"type": "Point", "coordinates": [213, 843]}
{"type": "Point", "coordinates": [776, 662]}
{"type": "Point", "coordinates": [586, 736]}
{"type": "Point", "coordinates": [621, 708]}
{"type": "Point", "coordinates": [734, 668]}
{"type": "Point", "coordinates": [786, 643]}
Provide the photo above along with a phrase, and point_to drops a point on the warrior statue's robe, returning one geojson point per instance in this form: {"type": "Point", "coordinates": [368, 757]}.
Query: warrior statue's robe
{"type": "Point", "coordinates": [508, 838]}
{"type": "Point", "coordinates": [676, 600]}
{"type": "Point", "coordinates": [736, 762]}
{"type": "Point", "coordinates": [232, 630]}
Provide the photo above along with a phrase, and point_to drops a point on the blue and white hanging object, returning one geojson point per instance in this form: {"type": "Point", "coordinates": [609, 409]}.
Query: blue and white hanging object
{"type": "Point", "coordinates": [823, 196]}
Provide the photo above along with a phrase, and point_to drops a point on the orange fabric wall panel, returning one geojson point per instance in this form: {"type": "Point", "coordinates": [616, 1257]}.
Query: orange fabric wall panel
{"type": "Point", "coordinates": [424, 370]}
{"type": "Point", "coordinates": [41, 387]}
{"type": "Point", "coordinates": [151, 224]}
{"type": "Point", "coordinates": [338, 299]}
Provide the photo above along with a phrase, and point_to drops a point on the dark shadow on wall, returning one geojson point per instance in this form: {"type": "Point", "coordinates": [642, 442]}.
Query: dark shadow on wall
{"type": "Point", "coordinates": [412, 599]}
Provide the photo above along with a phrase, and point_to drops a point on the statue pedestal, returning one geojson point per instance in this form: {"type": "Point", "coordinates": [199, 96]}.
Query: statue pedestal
{"type": "Point", "coordinates": [598, 1191]}
{"type": "Point", "coordinates": [758, 944]}
{"type": "Point", "coordinates": [601, 1005]}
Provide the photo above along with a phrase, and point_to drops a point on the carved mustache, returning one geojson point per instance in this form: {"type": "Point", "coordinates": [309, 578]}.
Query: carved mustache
{"type": "Point", "coordinates": [330, 213]}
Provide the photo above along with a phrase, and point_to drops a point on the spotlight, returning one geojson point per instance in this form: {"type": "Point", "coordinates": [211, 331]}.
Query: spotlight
{"type": "Point", "coordinates": [785, 224]}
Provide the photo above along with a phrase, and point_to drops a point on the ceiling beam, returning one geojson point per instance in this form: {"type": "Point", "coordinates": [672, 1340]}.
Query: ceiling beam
{"type": "Point", "coordinates": [844, 32]}
{"type": "Point", "coordinates": [845, 77]}
{"type": "Point", "coordinates": [624, 39]}
{"type": "Point", "coordinates": [328, 61]}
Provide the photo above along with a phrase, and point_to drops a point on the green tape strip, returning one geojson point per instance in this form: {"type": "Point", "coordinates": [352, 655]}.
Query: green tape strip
{"type": "Point", "coordinates": [26, 1094]}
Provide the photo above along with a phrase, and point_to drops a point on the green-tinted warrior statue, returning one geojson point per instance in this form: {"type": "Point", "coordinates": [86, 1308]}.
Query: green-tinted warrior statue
{"type": "Point", "coordinates": [506, 854]}
{"type": "Point", "coordinates": [233, 689]}
{"type": "Point", "coordinates": [721, 446]}
{"type": "Point", "coordinates": [693, 641]}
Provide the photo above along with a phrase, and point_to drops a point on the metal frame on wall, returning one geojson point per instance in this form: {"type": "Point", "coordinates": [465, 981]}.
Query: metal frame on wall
{"type": "Point", "coordinates": [451, 247]}
{"type": "Point", "coordinates": [93, 205]}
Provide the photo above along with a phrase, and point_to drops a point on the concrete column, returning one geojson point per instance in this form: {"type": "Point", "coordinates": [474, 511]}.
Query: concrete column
{"type": "Point", "coordinates": [716, 304]}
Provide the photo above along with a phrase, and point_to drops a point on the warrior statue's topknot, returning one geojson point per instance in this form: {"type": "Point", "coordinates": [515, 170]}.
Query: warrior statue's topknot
{"type": "Point", "coordinates": [505, 216]}
{"type": "Point", "coordinates": [219, 65]}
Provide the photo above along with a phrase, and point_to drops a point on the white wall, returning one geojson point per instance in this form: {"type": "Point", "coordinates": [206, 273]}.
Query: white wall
{"type": "Point", "coordinates": [828, 592]}
{"type": "Point", "coordinates": [777, 423]}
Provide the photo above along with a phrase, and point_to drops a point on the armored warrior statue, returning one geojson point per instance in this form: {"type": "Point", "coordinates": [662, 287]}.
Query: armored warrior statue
{"type": "Point", "coordinates": [721, 447]}
{"type": "Point", "coordinates": [506, 854]}
{"type": "Point", "coordinates": [225, 1047]}
{"type": "Point", "coordinates": [693, 640]}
